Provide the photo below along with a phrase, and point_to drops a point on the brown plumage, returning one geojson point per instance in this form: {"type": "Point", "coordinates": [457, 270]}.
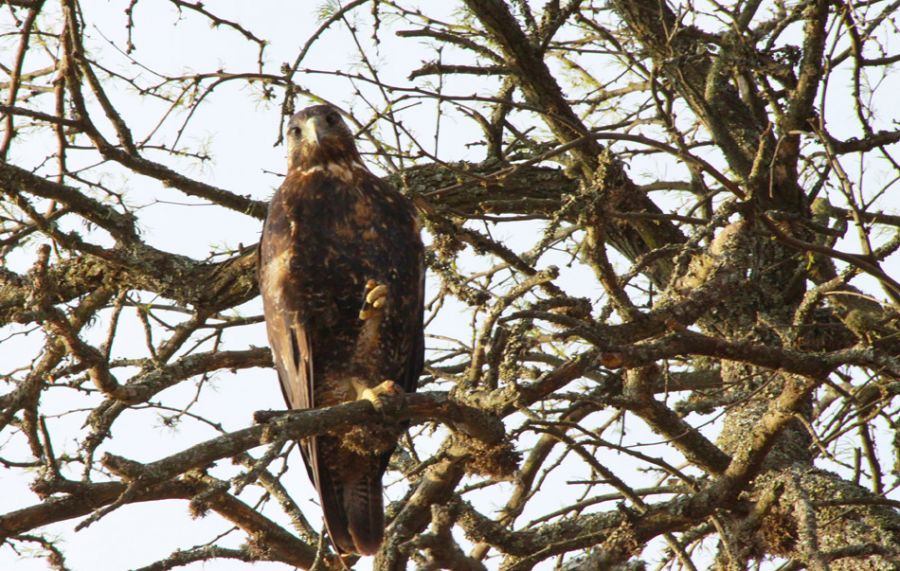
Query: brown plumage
{"type": "Point", "coordinates": [341, 273]}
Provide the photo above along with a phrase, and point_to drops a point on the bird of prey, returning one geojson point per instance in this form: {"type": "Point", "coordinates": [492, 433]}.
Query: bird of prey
{"type": "Point", "coordinates": [341, 272]}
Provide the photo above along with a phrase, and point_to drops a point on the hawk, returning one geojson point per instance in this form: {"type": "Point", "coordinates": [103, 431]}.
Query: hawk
{"type": "Point", "coordinates": [341, 272]}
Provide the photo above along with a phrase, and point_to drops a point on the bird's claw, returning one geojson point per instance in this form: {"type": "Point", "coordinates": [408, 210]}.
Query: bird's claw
{"type": "Point", "coordinates": [375, 300]}
{"type": "Point", "coordinates": [380, 395]}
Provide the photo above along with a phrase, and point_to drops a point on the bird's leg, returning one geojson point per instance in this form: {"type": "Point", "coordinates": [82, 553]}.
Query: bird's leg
{"type": "Point", "coordinates": [377, 395]}
{"type": "Point", "coordinates": [376, 437]}
{"type": "Point", "coordinates": [372, 312]}
{"type": "Point", "coordinates": [371, 315]}
{"type": "Point", "coordinates": [376, 297]}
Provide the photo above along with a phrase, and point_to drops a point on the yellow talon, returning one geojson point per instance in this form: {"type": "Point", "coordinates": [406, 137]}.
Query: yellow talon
{"type": "Point", "coordinates": [375, 300]}
{"type": "Point", "coordinates": [377, 293]}
{"type": "Point", "coordinates": [376, 395]}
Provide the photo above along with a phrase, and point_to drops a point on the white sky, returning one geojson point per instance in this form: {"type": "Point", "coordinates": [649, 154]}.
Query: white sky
{"type": "Point", "coordinates": [238, 129]}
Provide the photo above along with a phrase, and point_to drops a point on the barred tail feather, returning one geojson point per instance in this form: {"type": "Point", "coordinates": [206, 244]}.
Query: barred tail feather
{"type": "Point", "coordinates": [364, 508]}
{"type": "Point", "coordinates": [352, 504]}
{"type": "Point", "coordinates": [331, 497]}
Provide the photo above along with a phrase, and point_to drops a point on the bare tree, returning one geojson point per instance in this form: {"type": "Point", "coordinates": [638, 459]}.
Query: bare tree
{"type": "Point", "coordinates": [665, 263]}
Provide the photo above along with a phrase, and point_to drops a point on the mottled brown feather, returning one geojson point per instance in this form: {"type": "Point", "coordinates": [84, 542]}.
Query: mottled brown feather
{"type": "Point", "coordinates": [331, 227]}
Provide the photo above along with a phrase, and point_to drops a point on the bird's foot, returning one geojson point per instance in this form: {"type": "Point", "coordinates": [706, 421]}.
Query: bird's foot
{"type": "Point", "coordinates": [376, 297]}
{"type": "Point", "coordinates": [375, 437]}
{"type": "Point", "coordinates": [379, 395]}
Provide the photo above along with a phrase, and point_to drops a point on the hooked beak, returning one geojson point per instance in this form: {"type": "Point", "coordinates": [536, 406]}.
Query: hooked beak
{"type": "Point", "coordinates": [311, 129]}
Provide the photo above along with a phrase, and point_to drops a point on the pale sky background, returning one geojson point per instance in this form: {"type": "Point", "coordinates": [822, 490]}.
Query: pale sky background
{"type": "Point", "coordinates": [239, 129]}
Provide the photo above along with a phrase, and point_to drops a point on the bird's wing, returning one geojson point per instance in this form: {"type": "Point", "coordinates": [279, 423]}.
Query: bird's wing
{"type": "Point", "coordinates": [288, 336]}
{"type": "Point", "coordinates": [416, 361]}
{"type": "Point", "coordinates": [291, 340]}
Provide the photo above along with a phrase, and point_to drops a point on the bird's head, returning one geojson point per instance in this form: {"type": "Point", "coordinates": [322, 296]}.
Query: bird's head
{"type": "Point", "coordinates": [317, 136]}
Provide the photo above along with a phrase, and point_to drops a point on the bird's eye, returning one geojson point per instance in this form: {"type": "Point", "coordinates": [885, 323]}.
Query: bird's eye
{"type": "Point", "coordinates": [332, 119]}
{"type": "Point", "coordinates": [294, 131]}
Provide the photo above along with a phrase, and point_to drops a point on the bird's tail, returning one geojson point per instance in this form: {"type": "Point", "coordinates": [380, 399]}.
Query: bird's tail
{"type": "Point", "coordinates": [353, 506]}
{"type": "Point", "coordinates": [331, 498]}
{"type": "Point", "coordinates": [364, 508]}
